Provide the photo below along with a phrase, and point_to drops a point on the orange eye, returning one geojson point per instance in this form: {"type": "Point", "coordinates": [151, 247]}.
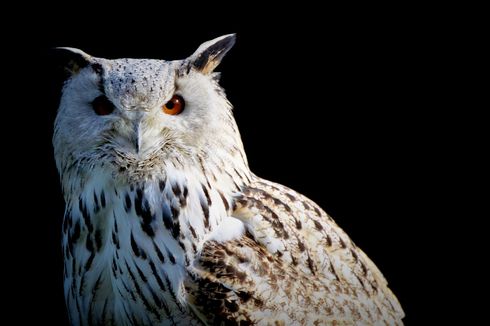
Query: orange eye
{"type": "Point", "coordinates": [102, 105]}
{"type": "Point", "coordinates": [175, 106]}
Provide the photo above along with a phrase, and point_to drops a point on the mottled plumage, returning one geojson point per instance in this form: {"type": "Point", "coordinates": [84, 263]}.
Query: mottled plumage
{"type": "Point", "coordinates": [165, 224]}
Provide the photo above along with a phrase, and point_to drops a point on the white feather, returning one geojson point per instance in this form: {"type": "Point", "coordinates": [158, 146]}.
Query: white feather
{"type": "Point", "coordinates": [230, 228]}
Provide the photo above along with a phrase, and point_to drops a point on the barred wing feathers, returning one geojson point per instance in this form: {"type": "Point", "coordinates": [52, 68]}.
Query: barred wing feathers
{"type": "Point", "coordinates": [292, 265]}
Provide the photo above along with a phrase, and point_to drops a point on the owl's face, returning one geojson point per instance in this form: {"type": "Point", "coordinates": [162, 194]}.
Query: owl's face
{"type": "Point", "coordinates": [131, 114]}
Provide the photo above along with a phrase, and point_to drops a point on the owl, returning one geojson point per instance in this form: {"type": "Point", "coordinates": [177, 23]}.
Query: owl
{"type": "Point", "coordinates": [165, 224]}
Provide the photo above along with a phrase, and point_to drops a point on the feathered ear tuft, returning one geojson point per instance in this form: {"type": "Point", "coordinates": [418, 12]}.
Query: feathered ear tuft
{"type": "Point", "coordinates": [71, 59]}
{"type": "Point", "coordinates": [208, 56]}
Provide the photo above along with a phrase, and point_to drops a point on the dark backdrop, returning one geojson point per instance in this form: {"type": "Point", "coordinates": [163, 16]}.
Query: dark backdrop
{"type": "Point", "coordinates": [338, 107]}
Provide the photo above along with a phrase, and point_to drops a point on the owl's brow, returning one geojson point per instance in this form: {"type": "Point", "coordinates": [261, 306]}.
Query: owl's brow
{"type": "Point", "coordinates": [99, 70]}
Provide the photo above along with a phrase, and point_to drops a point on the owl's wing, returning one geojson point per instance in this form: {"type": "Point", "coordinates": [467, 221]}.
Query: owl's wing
{"type": "Point", "coordinates": [292, 265]}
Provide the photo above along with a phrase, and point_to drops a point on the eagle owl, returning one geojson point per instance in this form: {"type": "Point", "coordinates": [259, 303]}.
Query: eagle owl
{"type": "Point", "coordinates": [165, 224]}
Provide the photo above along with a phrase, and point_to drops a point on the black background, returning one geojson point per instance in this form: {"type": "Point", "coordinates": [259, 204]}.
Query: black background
{"type": "Point", "coordinates": [340, 105]}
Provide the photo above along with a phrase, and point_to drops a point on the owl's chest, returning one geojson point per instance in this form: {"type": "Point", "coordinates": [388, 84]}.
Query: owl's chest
{"type": "Point", "coordinates": [128, 249]}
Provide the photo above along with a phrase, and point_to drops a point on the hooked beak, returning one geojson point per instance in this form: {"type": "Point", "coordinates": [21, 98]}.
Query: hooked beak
{"type": "Point", "coordinates": [137, 136]}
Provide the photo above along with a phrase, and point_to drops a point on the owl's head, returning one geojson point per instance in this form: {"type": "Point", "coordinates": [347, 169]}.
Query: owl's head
{"type": "Point", "coordinates": [136, 115]}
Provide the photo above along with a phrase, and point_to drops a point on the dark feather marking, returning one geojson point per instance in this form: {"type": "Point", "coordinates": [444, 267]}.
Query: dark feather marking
{"type": "Point", "coordinates": [133, 320]}
{"type": "Point", "coordinates": [311, 265]}
{"type": "Point", "coordinates": [279, 202]}
{"type": "Point", "coordinates": [171, 291]}
{"type": "Point", "coordinates": [246, 322]}
{"type": "Point", "coordinates": [138, 202]}
{"type": "Point", "coordinates": [96, 203]}
{"type": "Point", "coordinates": [115, 240]}
{"type": "Point", "coordinates": [318, 226]}
{"type": "Point", "coordinates": [205, 211]}
{"type": "Point", "coordinates": [140, 292]}
{"type": "Point", "coordinates": [238, 188]}
{"type": "Point", "coordinates": [114, 267]}
{"type": "Point", "coordinates": [293, 259]}
{"type": "Point", "coordinates": [82, 284]}
{"type": "Point", "coordinates": [90, 314]}
{"type": "Point", "coordinates": [127, 203]}
{"type": "Point", "coordinates": [364, 269]}
{"type": "Point", "coordinates": [317, 211]}
{"type": "Point", "coordinates": [98, 240]}
{"type": "Point", "coordinates": [225, 202]}
{"type": "Point", "coordinates": [332, 270]}
{"type": "Point", "coordinates": [342, 243]}
{"type": "Point", "coordinates": [171, 257]}
{"type": "Point", "coordinates": [238, 174]}
{"type": "Point", "coordinates": [89, 244]}
{"type": "Point", "coordinates": [176, 190]}
{"type": "Point", "coordinates": [96, 287]}
{"type": "Point", "coordinates": [181, 245]}
{"type": "Point", "coordinates": [86, 215]}
{"type": "Point", "coordinates": [246, 174]}
{"type": "Point", "coordinates": [115, 221]}
{"type": "Point", "coordinates": [102, 199]}
{"type": "Point", "coordinates": [362, 283]}
{"type": "Point", "coordinates": [141, 274]}
{"type": "Point", "coordinates": [161, 184]}
{"type": "Point", "coordinates": [244, 296]}
{"type": "Point", "coordinates": [76, 232]}
{"type": "Point", "coordinates": [204, 172]}
{"type": "Point", "coordinates": [354, 255]}
{"type": "Point", "coordinates": [329, 240]}
{"type": "Point", "coordinates": [157, 277]}
{"type": "Point", "coordinates": [306, 206]}
{"type": "Point", "coordinates": [186, 191]}
{"type": "Point", "coordinates": [131, 293]}
{"type": "Point", "coordinates": [259, 303]}
{"type": "Point", "coordinates": [90, 259]}
{"type": "Point", "coordinates": [291, 197]}
{"type": "Point", "coordinates": [159, 253]}
{"type": "Point", "coordinates": [298, 224]}
{"type": "Point", "coordinates": [147, 218]}
{"type": "Point", "coordinates": [134, 246]}
{"type": "Point", "coordinates": [167, 216]}
{"type": "Point", "coordinates": [232, 306]}
{"type": "Point", "coordinates": [175, 212]}
{"type": "Point", "coordinates": [301, 245]}
{"type": "Point", "coordinates": [193, 232]}
{"type": "Point", "coordinates": [157, 301]}
{"type": "Point", "coordinates": [176, 229]}
{"type": "Point", "coordinates": [206, 193]}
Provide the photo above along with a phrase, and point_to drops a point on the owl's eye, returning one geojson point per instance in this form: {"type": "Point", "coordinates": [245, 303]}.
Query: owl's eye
{"type": "Point", "coordinates": [175, 106]}
{"type": "Point", "coordinates": [102, 105]}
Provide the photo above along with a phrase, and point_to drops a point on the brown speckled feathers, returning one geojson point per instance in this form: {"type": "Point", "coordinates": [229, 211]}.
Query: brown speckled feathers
{"type": "Point", "coordinates": [294, 265]}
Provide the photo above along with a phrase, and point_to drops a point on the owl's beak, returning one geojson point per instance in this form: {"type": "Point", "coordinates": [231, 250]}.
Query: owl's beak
{"type": "Point", "coordinates": [137, 137]}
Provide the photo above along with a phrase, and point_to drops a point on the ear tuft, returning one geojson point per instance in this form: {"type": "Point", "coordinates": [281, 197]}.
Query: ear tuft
{"type": "Point", "coordinates": [71, 59]}
{"type": "Point", "coordinates": [208, 56]}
